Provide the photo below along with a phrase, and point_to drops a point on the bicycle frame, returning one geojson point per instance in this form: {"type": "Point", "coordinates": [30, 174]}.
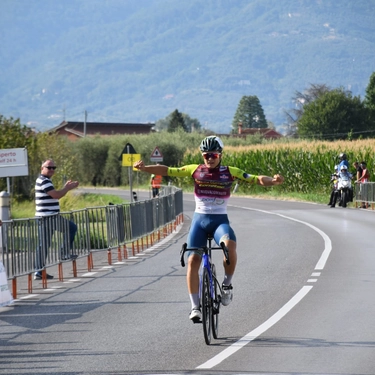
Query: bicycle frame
{"type": "Point", "coordinates": [206, 263]}
{"type": "Point", "coordinates": [208, 288]}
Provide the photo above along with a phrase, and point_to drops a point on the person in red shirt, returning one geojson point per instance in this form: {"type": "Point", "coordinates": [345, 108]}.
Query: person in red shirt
{"type": "Point", "coordinates": [365, 177]}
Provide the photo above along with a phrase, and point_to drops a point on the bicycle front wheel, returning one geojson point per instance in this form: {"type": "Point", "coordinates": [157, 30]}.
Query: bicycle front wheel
{"type": "Point", "coordinates": [206, 303]}
{"type": "Point", "coordinates": [215, 305]}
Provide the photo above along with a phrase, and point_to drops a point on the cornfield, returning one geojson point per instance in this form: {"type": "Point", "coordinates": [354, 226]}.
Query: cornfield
{"type": "Point", "coordinates": [306, 166]}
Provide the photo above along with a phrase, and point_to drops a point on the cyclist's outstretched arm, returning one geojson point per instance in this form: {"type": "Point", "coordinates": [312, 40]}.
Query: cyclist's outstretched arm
{"type": "Point", "coordinates": [277, 179]}
{"type": "Point", "coordinates": [161, 170]}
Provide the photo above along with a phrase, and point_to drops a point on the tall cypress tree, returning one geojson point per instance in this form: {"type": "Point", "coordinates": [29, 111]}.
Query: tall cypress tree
{"type": "Point", "coordinates": [250, 113]}
{"type": "Point", "coordinates": [177, 122]}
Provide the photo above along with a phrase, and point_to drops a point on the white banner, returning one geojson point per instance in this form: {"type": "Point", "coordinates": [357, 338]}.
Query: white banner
{"type": "Point", "coordinates": [13, 162]}
{"type": "Point", "coordinates": [5, 296]}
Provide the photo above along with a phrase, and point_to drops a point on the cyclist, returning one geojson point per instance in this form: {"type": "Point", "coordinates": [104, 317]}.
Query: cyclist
{"type": "Point", "coordinates": [213, 183]}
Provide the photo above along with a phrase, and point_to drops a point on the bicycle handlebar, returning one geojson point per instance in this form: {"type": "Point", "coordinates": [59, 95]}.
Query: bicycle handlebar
{"type": "Point", "coordinates": [222, 247]}
{"type": "Point", "coordinates": [226, 252]}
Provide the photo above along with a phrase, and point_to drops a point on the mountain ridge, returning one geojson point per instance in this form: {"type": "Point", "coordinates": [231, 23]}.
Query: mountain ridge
{"type": "Point", "coordinates": [138, 61]}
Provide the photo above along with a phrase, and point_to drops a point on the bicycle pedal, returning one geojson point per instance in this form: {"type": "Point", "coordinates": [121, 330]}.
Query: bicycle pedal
{"type": "Point", "coordinates": [196, 320]}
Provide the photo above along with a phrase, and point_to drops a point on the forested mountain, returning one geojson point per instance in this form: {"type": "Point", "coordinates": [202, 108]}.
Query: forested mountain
{"type": "Point", "coordinates": [139, 60]}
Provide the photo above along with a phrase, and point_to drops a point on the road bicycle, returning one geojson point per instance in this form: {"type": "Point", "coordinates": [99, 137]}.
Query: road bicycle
{"type": "Point", "coordinates": [210, 290]}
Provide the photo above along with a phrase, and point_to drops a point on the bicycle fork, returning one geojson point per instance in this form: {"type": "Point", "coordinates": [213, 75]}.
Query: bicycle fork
{"type": "Point", "coordinates": [214, 298]}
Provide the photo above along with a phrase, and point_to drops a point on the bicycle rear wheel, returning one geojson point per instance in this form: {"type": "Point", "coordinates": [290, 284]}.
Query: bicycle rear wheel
{"type": "Point", "coordinates": [206, 303]}
{"type": "Point", "coordinates": [215, 306]}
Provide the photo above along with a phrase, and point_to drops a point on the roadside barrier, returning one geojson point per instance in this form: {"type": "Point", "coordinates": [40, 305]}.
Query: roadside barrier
{"type": "Point", "coordinates": [365, 194]}
{"type": "Point", "coordinates": [34, 244]}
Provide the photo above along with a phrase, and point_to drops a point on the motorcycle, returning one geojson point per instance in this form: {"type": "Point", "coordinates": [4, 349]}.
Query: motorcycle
{"type": "Point", "coordinates": [344, 189]}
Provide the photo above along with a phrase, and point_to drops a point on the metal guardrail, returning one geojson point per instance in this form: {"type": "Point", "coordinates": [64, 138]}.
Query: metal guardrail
{"type": "Point", "coordinates": [126, 227]}
{"type": "Point", "coordinates": [365, 194]}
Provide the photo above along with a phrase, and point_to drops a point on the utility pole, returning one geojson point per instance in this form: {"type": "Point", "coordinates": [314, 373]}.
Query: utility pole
{"type": "Point", "coordinates": [84, 124]}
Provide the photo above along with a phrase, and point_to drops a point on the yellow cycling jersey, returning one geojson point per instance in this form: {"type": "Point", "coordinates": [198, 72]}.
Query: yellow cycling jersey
{"type": "Point", "coordinates": [212, 186]}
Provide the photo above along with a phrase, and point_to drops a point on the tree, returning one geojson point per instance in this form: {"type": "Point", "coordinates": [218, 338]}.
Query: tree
{"type": "Point", "coordinates": [370, 93]}
{"type": "Point", "coordinates": [249, 113]}
{"type": "Point", "coordinates": [177, 122]}
{"type": "Point", "coordinates": [192, 124]}
{"type": "Point", "coordinates": [370, 99]}
{"type": "Point", "coordinates": [15, 135]}
{"type": "Point", "coordinates": [335, 114]}
{"type": "Point", "coordinates": [301, 99]}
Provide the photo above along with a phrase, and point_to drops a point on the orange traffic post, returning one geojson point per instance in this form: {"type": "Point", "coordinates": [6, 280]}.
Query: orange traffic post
{"type": "Point", "coordinates": [119, 255]}
{"type": "Point", "coordinates": [14, 287]}
{"type": "Point", "coordinates": [30, 283]}
{"type": "Point", "coordinates": [61, 276]}
{"type": "Point", "coordinates": [109, 256]}
{"type": "Point", "coordinates": [125, 251]}
{"type": "Point", "coordinates": [74, 268]}
{"type": "Point", "coordinates": [44, 278]}
{"type": "Point", "coordinates": [89, 266]}
{"type": "Point", "coordinates": [133, 249]}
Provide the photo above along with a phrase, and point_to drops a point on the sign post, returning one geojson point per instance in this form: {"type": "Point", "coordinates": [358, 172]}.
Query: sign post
{"type": "Point", "coordinates": [129, 157]}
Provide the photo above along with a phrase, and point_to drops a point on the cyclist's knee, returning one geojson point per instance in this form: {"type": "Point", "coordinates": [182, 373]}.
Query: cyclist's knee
{"type": "Point", "coordinates": [194, 261]}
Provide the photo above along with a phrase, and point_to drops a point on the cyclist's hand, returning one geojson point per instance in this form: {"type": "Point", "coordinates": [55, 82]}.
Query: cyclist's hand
{"type": "Point", "coordinates": [139, 165]}
{"type": "Point", "coordinates": [278, 179]}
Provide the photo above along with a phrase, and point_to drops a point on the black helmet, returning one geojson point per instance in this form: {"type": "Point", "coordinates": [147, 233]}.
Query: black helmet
{"type": "Point", "coordinates": [342, 156]}
{"type": "Point", "coordinates": [212, 143]}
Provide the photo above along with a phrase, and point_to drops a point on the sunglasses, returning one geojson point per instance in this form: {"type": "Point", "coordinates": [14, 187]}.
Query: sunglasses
{"type": "Point", "coordinates": [49, 168]}
{"type": "Point", "coordinates": [212, 155]}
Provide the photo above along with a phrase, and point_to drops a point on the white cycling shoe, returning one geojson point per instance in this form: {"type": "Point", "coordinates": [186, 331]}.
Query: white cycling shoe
{"type": "Point", "coordinates": [195, 315]}
{"type": "Point", "coordinates": [227, 294]}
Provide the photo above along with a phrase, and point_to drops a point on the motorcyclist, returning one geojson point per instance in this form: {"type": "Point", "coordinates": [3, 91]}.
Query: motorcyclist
{"type": "Point", "coordinates": [334, 180]}
{"type": "Point", "coordinates": [342, 174]}
{"type": "Point", "coordinates": [343, 161]}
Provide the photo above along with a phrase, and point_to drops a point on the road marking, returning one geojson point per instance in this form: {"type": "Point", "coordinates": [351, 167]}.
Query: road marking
{"type": "Point", "coordinates": [26, 297]}
{"type": "Point", "coordinates": [257, 331]}
{"type": "Point", "coordinates": [327, 241]}
{"type": "Point", "coordinates": [285, 309]}
{"type": "Point", "coordinates": [88, 274]}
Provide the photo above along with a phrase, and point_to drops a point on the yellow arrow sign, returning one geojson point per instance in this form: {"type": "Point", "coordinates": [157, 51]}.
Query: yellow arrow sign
{"type": "Point", "coordinates": [129, 159]}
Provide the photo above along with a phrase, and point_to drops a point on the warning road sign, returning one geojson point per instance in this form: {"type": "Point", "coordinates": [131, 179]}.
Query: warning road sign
{"type": "Point", "coordinates": [156, 155]}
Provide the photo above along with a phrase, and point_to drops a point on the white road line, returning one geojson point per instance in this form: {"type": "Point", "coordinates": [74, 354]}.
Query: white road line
{"type": "Point", "coordinates": [327, 241]}
{"type": "Point", "coordinates": [257, 331]}
{"type": "Point", "coordinates": [87, 274]}
{"type": "Point", "coordinates": [27, 297]}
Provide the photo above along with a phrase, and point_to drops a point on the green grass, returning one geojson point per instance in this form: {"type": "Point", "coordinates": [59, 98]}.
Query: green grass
{"type": "Point", "coordinates": [26, 209]}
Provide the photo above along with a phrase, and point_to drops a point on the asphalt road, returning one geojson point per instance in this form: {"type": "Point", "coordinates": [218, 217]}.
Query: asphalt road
{"type": "Point", "coordinates": [303, 304]}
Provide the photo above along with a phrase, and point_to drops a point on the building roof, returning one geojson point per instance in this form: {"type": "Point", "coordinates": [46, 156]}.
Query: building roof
{"type": "Point", "coordinates": [78, 129]}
